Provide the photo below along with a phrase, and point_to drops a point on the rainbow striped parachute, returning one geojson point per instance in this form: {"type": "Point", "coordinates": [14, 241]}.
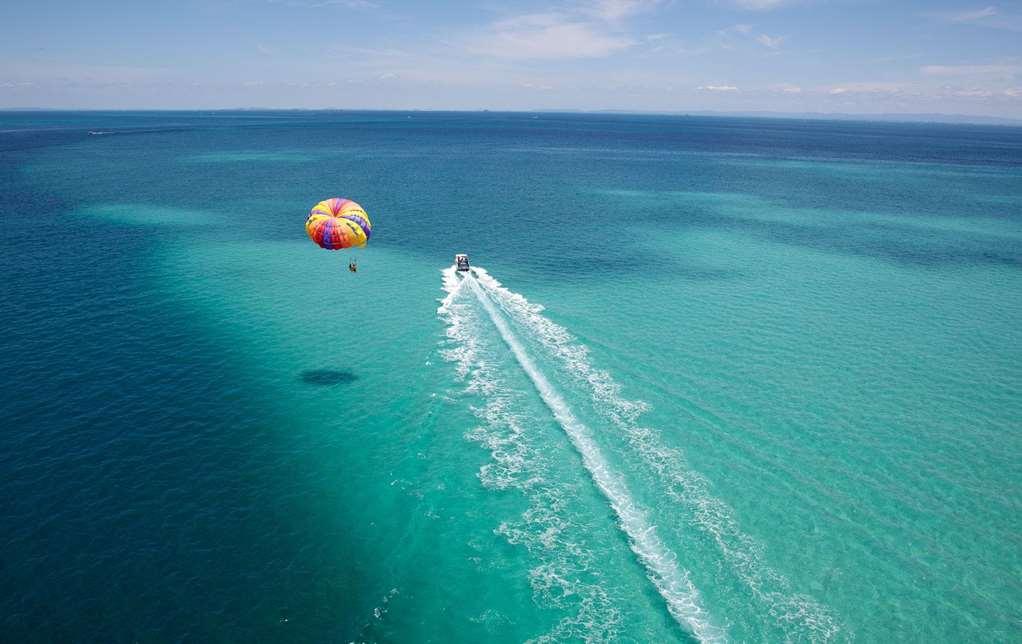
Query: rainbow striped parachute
{"type": "Point", "coordinates": [338, 223]}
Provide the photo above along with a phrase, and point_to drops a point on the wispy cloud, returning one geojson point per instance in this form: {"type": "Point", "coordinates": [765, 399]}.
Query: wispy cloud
{"type": "Point", "coordinates": [371, 54]}
{"type": "Point", "coordinates": [312, 4]}
{"type": "Point", "coordinates": [667, 46]}
{"type": "Point", "coordinates": [971, 70]}
{"type": "Point", "coordinates": [81, 73]}
{"type": "Point", "coordinates": [545, 36]}
{"type": "Point", "coordinates": [589, 30]}
{"type": "Point", "coordinates": [982, 94]}
{"type": "Point", "coordinates": [972, 15]}
{"type": "Point", "coordinates": [992, 16]}
{"type": "Point", "coordinates": [351, 4]}
{"type": "Point", "coordinates": [612, 10]}
{"type": "Point", "coordinates": [736, 29]}
{"type": "Point", "coordinates": [717, 88]}
{"type": "Point", "coordinates": [786, 88]}
{"type": "Point", "coordinates": [537, 86]}
{"type": "Point", "coordinates": [972, 92]}
{"type": "Point", "coordinates": [770, 42]}
{"type": "Point", "coordinates": [760, 5]}
{"type": "Point", "coordinates": [866, 88]}
{"type": "Point", "coordinates": [735, 34]}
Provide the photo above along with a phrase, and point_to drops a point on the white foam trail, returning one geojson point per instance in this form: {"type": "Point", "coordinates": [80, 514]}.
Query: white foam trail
{"type": "Point", "coordinates": [682, 597]}
{"type": "Point", "coordinates": [562, 577]}
{"type": "Point", "coordinates": [792, 611]}
{"type": "Point", "coordinates": [452, 285]}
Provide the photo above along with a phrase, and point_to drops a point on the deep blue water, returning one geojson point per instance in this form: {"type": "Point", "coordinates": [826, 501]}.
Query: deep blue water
{"type": "Point", "coordinates": [796, 347]}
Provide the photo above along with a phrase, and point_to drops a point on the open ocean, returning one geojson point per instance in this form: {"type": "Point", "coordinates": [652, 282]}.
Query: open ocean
{"type": "Point", "coordinates": [718, 379]}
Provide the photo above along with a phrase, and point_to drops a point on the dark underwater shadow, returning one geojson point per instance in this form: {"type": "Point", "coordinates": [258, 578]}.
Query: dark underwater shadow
{"type": "Point", "coordinates": [901, 243]}
{"type": "Point", "coordinates": [327, 377]}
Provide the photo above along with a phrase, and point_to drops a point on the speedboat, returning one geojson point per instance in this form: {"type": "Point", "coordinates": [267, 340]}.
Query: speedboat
{"type": "Point", "coordinates": [461, 261]}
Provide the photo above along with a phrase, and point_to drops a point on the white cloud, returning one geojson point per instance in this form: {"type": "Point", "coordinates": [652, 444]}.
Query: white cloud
{"type": "Point", "coordinates": [771, 42]}
{"type": "Point", "coordinates": [760, 5]}
{"type": "Point", "coordinates": [971, 70]}
{"type": "Point", "coordinates": [865, 88]}
{"type": "Point", "coordinates": [973, 15]}
{"type": "Point", "coordinates": [547, 36]}
{"type": "Point", "coordinates": [314, 4]}
{"type": "Point", "coordinates": [587, 29]}
{"type": "Point", "coordinates": [612, 10]}
{"type": "Point", "coordinates": [87, 74]}
{"type": "Point", "coordinates": [734, 34]}
{"type": "Point", "coordinates": [990, 16]}
{"type": "Point", "coordinates": [717, 88]}
{"type": "Point", "coordinates": [786, 88]}
{"type": "Point", "coordinates": [979, 92]}
{"type": "Point", "coordinates": [539, 86]}
{"type": "Point", "coordinates": [666, 45]}
{"type": "Point", "coordinates": [973, 92]}
{"type": "Point", "coordinates": [367, 53]}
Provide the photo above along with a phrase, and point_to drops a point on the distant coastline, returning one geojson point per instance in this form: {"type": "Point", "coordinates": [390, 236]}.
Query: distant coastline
{"type": "Point", "coordinates": [882, 117]}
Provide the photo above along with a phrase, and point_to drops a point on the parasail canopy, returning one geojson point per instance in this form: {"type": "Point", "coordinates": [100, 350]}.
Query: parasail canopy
{"type": "Point", "coordinates": [338, 223]}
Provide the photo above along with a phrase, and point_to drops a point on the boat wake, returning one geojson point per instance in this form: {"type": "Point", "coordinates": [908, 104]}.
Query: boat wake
{"type": "Point", "coordinates": [798, 615]}
{"type": "Point", "coordinates": [564, 576]}
{"type": "Point", "coordinates": [682, 599]}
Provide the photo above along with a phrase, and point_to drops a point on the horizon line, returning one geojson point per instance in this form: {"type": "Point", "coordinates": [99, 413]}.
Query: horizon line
{"type": "Point", "coordinates": [912, 117]}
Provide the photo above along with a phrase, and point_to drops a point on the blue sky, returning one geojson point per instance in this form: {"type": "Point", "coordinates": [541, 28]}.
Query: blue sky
{"type": "Point", "coordinates": [858, 56]}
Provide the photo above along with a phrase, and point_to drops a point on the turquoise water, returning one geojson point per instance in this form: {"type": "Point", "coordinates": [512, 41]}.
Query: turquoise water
{"type": "Point", "coordinates": [716, 379]}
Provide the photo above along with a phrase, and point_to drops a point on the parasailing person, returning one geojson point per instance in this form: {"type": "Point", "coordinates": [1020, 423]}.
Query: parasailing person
{"type": "Point", "coordinates": [336, 224]}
